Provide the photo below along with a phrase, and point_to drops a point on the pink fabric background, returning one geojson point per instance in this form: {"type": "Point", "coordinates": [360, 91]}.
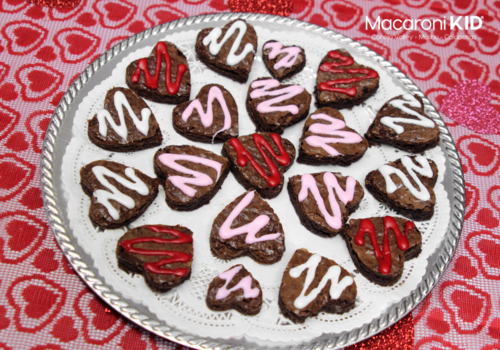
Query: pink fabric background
{"type": "Point", "coordinates": [44, 305]}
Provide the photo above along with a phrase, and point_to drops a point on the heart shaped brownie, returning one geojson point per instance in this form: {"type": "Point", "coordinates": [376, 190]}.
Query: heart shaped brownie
{"type": "Point", "coordinates": [191, 176]}
{"type": "Point", "coordinates": [249, 155]}
{"type": "Point", "coordinates": [283, 62]}
{"type": "Point", "coordinates": [228, 51]}
{"type": "Point", "coordinates": [402, 123]}
{"type": "Point", "coordinates": [235, 289]}
{"type": "Point", "coordinates": [323, 200]}
{"type": "Point", "coordinates": [125, 124]}
{"type": "Point", "coordinates": [381, 259]}
{"type": "Point", "coordinates": [274, 107]}
{"type": "Point", "coordinates": [162, 254]}
{"type": "Point", "coordinates": [327, 140]}
{"type": "Point", "coordinates": [163, 76]}
{"type": "Point", "coordinates": [211, 117]}
{"type": "Point", "coordinates": [248, 226]}
{"type": "Point", "coordinates": [311, 284]}
{"type": "Point", "coordinates": [406, 185]}
{"type": "Point", "coordinates": [343, 83]}
{"type": "Point", "coordinates": [119, 194]}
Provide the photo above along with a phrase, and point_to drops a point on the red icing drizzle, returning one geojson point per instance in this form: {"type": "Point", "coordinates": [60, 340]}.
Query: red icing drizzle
{"type": "Point", "coordinates": [152, 80]}
{"type": "Point", "coordinates": [174, 256]}
{"type": "Point", "coordinates": [384, 256]}
{"type": "Point", "coordinates": [283, 158]}
{"type": "Point", "coordinates": [331, 67]}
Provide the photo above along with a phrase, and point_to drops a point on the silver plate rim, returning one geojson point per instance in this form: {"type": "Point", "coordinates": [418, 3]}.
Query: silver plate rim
{"type": "Point", "coordinates": [438, 262]}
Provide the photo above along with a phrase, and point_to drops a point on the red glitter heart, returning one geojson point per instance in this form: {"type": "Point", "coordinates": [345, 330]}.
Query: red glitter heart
{"type": "Point", "coordinates": [468, 104]}
{"type": "Point", "coordinates": [56, 3]}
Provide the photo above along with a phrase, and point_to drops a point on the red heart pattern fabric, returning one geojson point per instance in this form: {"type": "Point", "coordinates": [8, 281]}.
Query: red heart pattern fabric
{"type": "Point", "coordinates": [23, 36]}
{"type": "Point", "coordinates": [44, 49]}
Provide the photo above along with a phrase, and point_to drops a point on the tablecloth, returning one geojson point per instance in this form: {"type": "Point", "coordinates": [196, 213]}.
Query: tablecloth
{"type": "Point", "coordinates": [43, 303]}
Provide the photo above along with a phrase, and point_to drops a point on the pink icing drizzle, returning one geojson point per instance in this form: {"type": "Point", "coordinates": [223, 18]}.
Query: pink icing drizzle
{"type": "Point", "coordinates": [262, 89]}
{"type": "Point", "coordinates": [331, 182]}
{"type": "Point", "coordinates": [245, 284]}
{"type": "Point", "coordinates": [288, 60]}
{"type": "Point", "coordinates": [197, 179]}
{"type": "Point", "coordinates": [207, 118]}
{"type": "Point", "coordinates": [251, 229]}
{"type": "Point", "coordinates": [330, 129]}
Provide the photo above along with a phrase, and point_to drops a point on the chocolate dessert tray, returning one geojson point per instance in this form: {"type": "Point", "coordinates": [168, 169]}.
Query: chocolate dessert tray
{"type": "Point", "coordinates": [180, 313]}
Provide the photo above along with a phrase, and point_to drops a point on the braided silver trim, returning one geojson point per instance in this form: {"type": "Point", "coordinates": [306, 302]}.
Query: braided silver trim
{"type": "Point", "coordinates": [438, 262]}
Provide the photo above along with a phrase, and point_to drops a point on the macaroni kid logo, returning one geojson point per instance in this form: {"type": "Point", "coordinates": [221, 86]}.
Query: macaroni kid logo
{"type": "Point", "coordinates": [460, 22]}
{"type": "Point", "coordinates": [470, 22]}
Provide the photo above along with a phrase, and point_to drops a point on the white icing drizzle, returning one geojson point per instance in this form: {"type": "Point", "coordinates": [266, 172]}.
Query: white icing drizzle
{"type": "Point", "coordinates": [103, 197]}
{"type": "Point", "coordinates": [425, 169]}
{"type": "Point", "coordinates": [121, 102]}
{"type": "Point", "coordinates": [213, 37]}
{"type": "Point", "coordinates": [411, 101]}
{"type": "Point", "coordinates": [333, 275]}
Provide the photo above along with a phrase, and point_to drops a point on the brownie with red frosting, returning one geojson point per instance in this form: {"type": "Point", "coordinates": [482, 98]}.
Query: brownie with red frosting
{"type": "Point", "coordinates": [170, 84]}
{"type": "Point", "coordinates": [162, 254]}
{"type": "Point", "coordinates": [259, 160]}
{"type": "Point", "coordinates": [365, 241]}
{"type": "Point", "coordinates": [343, 83]}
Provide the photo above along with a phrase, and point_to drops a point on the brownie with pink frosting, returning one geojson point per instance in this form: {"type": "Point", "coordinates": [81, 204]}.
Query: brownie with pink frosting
{"type": "Point", "coordinates": [248, 226]}
{"type": "Point", "coordinates": [326, 139]}
{"type": "Point", "coordinates": [259, 161]}
{"type": "Point", "coordinates": [283, 62]}
{"type": "Point", "coordinates": [211, 118]}
{"type": "Point", "coordinates": [190, 176]}
{"type": "Point", "coordinates": [236, 289]}
{"type": "Point", "coordinates": [320, 212]}
{"type": "Point", "coordinates": [273, 106]}
{"type": "Point", "coordinates": [312, 284]}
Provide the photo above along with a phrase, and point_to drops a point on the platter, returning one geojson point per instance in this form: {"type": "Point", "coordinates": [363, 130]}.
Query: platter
{"type": "Point", "coordinates": [180, 315]}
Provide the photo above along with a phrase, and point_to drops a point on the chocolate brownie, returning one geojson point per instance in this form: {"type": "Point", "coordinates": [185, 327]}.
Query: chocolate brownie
{"type": "Point", "coordinates": [163, 76]}
{"type": "Point", "coordinates": [125, 124]}
{"type": "Point", "coordinates": [342, 83]}
{"type": "Point", "coordinates": [118, 194]}
{"type": "Point", "coordinates": [327, 140]}
{"type": "Point", "coordinates": [283, 62]}
{"type": "Point", "coordinates": [228, 51]}
{"type": "Point", "coordinates": [406, 185]}
{"type": "Point", "coordinates": [162, 254]}
{"type": "Point", "coordinates": [311, 284]}
{"type": "Point", "coordinates": [235, 289]}
{"type": "Point", "coordinates": [248, 226]}
{"type": "Point", "coordinates": [402, 123]}
{"type": "Point", "coordinates": [310, 196]}
{"type": "Point", "coordinates": [191, 176]}
{"type": "Point", "coordinates": [211, 117]}
{"type": "Point", "coordinates": [253, 157]}
{"type": "Point", "coordinates": [365, 239]}
{"type": "Point", "coordinates": [274, 107]}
